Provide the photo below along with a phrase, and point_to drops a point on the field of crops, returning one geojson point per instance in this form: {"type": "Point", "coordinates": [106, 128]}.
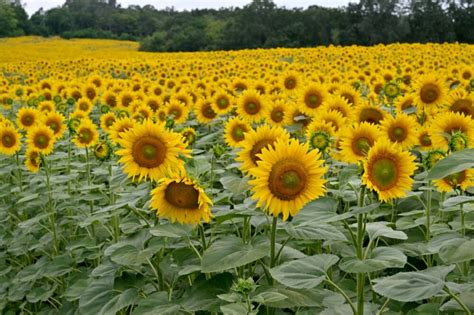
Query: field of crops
{"type": "Point", "coordinates": [330, 180]}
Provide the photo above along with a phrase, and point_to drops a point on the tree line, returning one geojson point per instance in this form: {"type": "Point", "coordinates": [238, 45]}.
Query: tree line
{"type": "Point", "coordinates": [259, 24]}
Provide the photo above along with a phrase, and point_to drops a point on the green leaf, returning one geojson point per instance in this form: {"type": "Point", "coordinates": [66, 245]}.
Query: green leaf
{"type": "Point", "coordinates": [455, 162]}
{"type": "Point", "coordinates": [452, 305]}
{"type": "Point", "coordinates": [129, 255]}
{"type": "Point", "coordinates": [97, 294]}
{"type": "Point", "coordinates": [157, 303]}
{"type": "Point", "coordinates": [268, 297]}
{"type": "Point", "coordinates": [304, 273]}
{"type": "Point", "coordinates": [119, 301]}
{"type": "Point", "coordinates": [294, 297]}
{"type": "Point", "coordinates": [454, 201]}
{"type": "Point", "coordinates": [456, 252]}
{"type": "Point", "coordinates": [380, 258]}
{"type": "Point", "coordinates": [171, 230]}
{"type": "Point", "coordinates": [230, 252]}
{"type": "Point", "coordinates": [378, 229]}
{"type": "Point", "coordinates": [235, 184]}
{"type": "Point", "coordinates": [409, 286]}
{"type": "Point", "coordinates": [312, 230]}
{"type": "Point", "coordinates": [234, 309]}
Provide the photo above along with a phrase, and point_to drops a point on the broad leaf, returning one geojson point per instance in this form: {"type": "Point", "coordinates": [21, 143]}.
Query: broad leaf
{"type": "Point", "coordinates": [455, 162]}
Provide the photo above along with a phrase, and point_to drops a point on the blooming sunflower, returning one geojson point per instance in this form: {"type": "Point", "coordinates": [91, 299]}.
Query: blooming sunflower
{"type": "Point", "coordinates": [311, 97]}
{"type": "Point", "coordinates": [204, 111]}
{"type": "Point", "coordinates": [461, 102]}
{"type": "Point", "coordinates": [107, 121]}
{"type": "Point", "coordinates": [120, 125]}
{"type": "Point", "coordinates": [288, 176]}
{"type": "Point", "coordinates": [430, 92]}
{"type": "Point", "coordinates": [222, 102]}
{"type": "Point", "coordinates": [290, 81]}
{"type": "Point", "coordinates": [387, 170]}
{"type": "Point", "coordinates": [251, 106]}
{"type": "Point", "coordinates": [151, 151]}
{"type": "Point", "coordinates": [424, 136]}
{"type": "Point", "coordinates": [339, 104]}
{"type": "Point", "coordinates": [189, 135]}
{"type": "Point", "coordinates": [356, 141]}
{"type": "Point", "coordinates": [460, 180]}
{"type": "Point", "coordinates": [446, 124]}
{"type": "Point", "coordinates": [10, 142]}
{"type": "Point", "coordinates": [55, 121]}
{"type": "Point", "coordinates": [181, 199]}
{"type": "Point", "coordinates": [234, 131]}
{"type": "Point", "coordinates": [178, 111]}
{"type": "Point", "coordinates": [27, 117]}
{"type": "Point", "coordinates": [32, 160]}
{"type": "Point", "coordinates": [255, 140]}
{"type": "Point", "coordinates": [400, 130]}
{"type": "Point", "coordinates": [369, 113]}
{"type": "Point", "coordinates": [86, 134]}
{"type": "Point", "coordinates": [277, 114]}
{"type": "Point", "coordinates": [405, 104]}
{"type": "Point", "coordinates": [84, 105]}
{"type": "Point", "coordinates": [40, 138]}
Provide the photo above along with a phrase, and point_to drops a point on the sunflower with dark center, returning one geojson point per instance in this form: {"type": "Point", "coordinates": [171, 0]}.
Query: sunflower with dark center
{"type": "Point", "coordinates": [189, 135]}
{"type": "Point", "coordinates": [460, 180]}
{"type": "Point", "coordinates": [312, 97]}
{"type": "Point", "coordinates": [181, 199]}
{"type": "Point", "coordinates": [55, 121]}
{"type": "Point", "coordinates": [41, 138]}
{"type": "Point", "coordinates": [251, 106]}
{"type": "Point", "coordinates": [32, 160]}
{"type": "Point", "coordinates": [288, 176]}
{"type": "Point", "coordinates": [255, 141]}
{"type": "Point", "coordinates": [430, 92]}
{"type": "Point", "coordinates": [424, 139]}
{"type": "Point", "coordinates": [371, 114]}
{"type": "Point", "coordinates": [221, 102]}
{"type": "Point", "coordinates": [9, 139]}
{"type": "Point", "coordinates": [356, 141]}
{"type": "Point", "coordinates": [445, 124]}
{"type": "Point", "coordinates": [234, 131]}
{"type": "Point", "coordinates": [27, 117]}
{"type": "Point", "coordinates": [400, 130]}
{"type": "Point", "coordinates": [388, 170]}
{"type": "Point", "coordinates": [204, 112]}
{"type": "Point", "coordinates": [86, 134]}
{"type": "Point", "coordinates": [150, 151]}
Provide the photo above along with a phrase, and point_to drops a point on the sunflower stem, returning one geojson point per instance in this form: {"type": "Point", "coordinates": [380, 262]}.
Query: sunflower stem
{"type": "Point", "coordinates": [203, 237]}
{"type": "Point", "coordinates": [68, 167]}
{"type": "Point", "coordinates": [458, 300]}
{"type": "Point", "coordinates": [51, 214]}
{"type": "Point", "coordinates": [115, 218]}
{"type": "Point", "coordinates": [20, 175]}
{"type": "Point", "coordinates": [88, 175]}
{"type": "Point", "coordinates": [343, 293]}
{"type": "Point", "coordinates": [428, 220]}
{"type": "Point", "coordinates": [360, 255]}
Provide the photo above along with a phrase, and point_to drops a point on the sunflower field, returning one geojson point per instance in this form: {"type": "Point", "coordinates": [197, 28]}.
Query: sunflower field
{"type": "Point", "coordinates": [328, 180]}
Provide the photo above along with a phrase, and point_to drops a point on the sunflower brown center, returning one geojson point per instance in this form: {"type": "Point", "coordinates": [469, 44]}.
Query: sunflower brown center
{"type": "Point", "coordinates": [463, 106]}
{"type": "Point", "coordinates": [222, 102]}
{"type": "Point", "coordinates": [313, 100]}
{"type": "Point", "coordinates": [8, 140]}
{"type": "Point", "coordinates": [85, 135]}
{"type": "Point", "coordinates": [456, 178]}
{"type": "Point", "coordinates": [277, 115]}
{"type": "Point", "coordinates": [370, 115]}
{"type": "Point", "coordinates": [41, 141]}
{"type": "Point", "coordinates": [252, 107]}
{"type": "Point", "coordinates": [425, 140]}
{"type": "Point", "coordinates": [287, 179]}
{"type": "Point", "coordinates": [238, 133]}
{"type": "Point", "coordinates": [384, 173]}
{"type": "Point", "coordinates": [175, 112]}
{"type": "Point", "coordinates": [149, 152]}
{"type": "Point", "coordinates": [361, 146]}
{"type": "Point", "coordinates": [27, 120]}
{"type": "Point", "coordinates": [182, 196]}
{"type": "Point", "coordinates": [290, 83]}
{"type": "Point", "coordinates": [208, 112]}
{"type": "Point", "coordinates": [258, 147]}
{"type": "Point", "coordinates": [429, 93]}
{"type": "Point", "coordinates": [397, 134]}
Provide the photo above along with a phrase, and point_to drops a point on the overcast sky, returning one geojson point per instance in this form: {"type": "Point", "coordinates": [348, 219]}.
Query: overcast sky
{"type": "Point", "coordinates": [32, 6]}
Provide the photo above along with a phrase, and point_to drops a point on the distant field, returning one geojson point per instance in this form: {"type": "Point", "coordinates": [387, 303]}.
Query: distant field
{"type": "Point", "coordinates": [326, 180]}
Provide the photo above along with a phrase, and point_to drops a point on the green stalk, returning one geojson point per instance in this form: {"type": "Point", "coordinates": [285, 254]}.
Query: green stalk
{"type": "Point", "coordinates": [115, 218]}
{"type": "Point", "coordinates": [20, 175]}
{"type": "Point", "coordinates": [360, 255]}
{"type": "Point", "coordinates": [91, 202]}
{"type": "Point", "coordinates": [428, 220]}
{"type": "Point", "coordinates": [51, 213]}
{"type": "Point", "coordinates": [203, 237]}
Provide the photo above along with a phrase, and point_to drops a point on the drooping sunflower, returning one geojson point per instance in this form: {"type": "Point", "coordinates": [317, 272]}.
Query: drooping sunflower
{"type": "Point", "coordinates": [288, 176]}
{"type": "Point", "coordinates": [400, 130]}
{"type": "Point", "coordinates": [234, 131]}
{"type": "Point", "coordinates": [251, 106]}
{"type": "Point", "coordinates": [181, 199]}
{"type": "Point", "coordinates": [446, 124]}
{"type": "Point", "coordinates": [86, 134]}
{"type": "Point", "coordinates": [311, 98]}
{"type": "Point", "coordinates": [32, 160]}
{"type": "Point", "coordinates": [10, 140]}
{"type": "Point", "coordinates": [40, 138]}
{"type": "Point", "coordinates": [27, 117]}
{"type": "Point", "coordinates": [55, 121]}
{"type": "Point", "coordinates": [388, 170]}
{"type": "Point", "coordinates": [204, 111]}
{"type": "Point", "coordinates": [460, 180]}
{"type": "Point", "coordinates": [255, 141]}
{"type": "Point", "coordinates": [430, 92]}
{"type": "Point", "coordinates": [150, 151]}
{"type": "Point", "coordinates": [356, 141]}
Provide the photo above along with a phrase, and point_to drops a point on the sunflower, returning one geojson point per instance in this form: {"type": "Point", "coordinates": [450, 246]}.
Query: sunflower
{"type": "Point", "coordinates": [405, 104]}
{"type": "Point", "coordinates": [334, 118]}
{"type": "Point", "coordinates": [255, 140]}
{"type": "Point", "coordinates": [251, 106]}
{"type": "Point", "coordinates": [290, 81]}
{"type": "Point", "coordinates": [356, 141]}
{"type": "Point", "coordinates": [86, 134]}
{"type": "Point", "coordinates": [110, 99]}
{"type": "Point", "coordinates": [400, 130]}
{"type": "Point", "coordinates": [387, 170]}
{"type": "Point", "coordinates": [461, 102]}
{"type": "Point", "coordinates": [222, 102]}
{"type": "Point", "coordinates": [277, 114]}
{"type": "Point", "coordinates": [84, 105]}
{"type": "Point", "coordinates": [430, 92]}
{"type": "Point", "coordinates": [177, 111]}
{"type": "Point", "coordinates": [153, 103]}
{"type": "Point", "coordinates": [446, 124]}
{"type": "Point", "coordinates": [55, 121]}
{"type": "Point", "coordinates": [151, 151]}
{"type": "Point", "coordinates": [311, 97]}
{"type": "Point", "coordinates": [369, 113]}
{"type": "Point", "coordinates": [339, 104]}
{"type": "Point", "coordinates": [32, 160]}
{"type": "Point", "coordinates": [125, 98]}
{"type": "Point", "coordinates": [102, 150]}
{"type": "Point", "coordinates": [204, 112]}
{"type": "Point", "coordinates": [107, 121]}
{"type": "Point", "coordinates": [46, 106]}
{"type": "Point", "coordinates": [424, 136]}
{"type": "Point", "coordinates": [350, 94]}
{"type": "Point", "coordinates": [27, 117]}
{"type": "Point", "coordinates": [181, 199]}
{"type": "Point", "coordinates": [189, 135]}
{"type": "Point", "coordinates": [288, 176]}
{"type": "Point", "coordinates": [234, 131]}
{"type": "Point", "coordinates": [40, 138]}
{"type": "Point", "coordinates": [10, 140]}
{"type": "Point", "coordinates": [460, 180]}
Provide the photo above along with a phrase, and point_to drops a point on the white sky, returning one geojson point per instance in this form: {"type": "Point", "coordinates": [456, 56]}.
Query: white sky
{"type": "Point", "coordinates": [32, 6]}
